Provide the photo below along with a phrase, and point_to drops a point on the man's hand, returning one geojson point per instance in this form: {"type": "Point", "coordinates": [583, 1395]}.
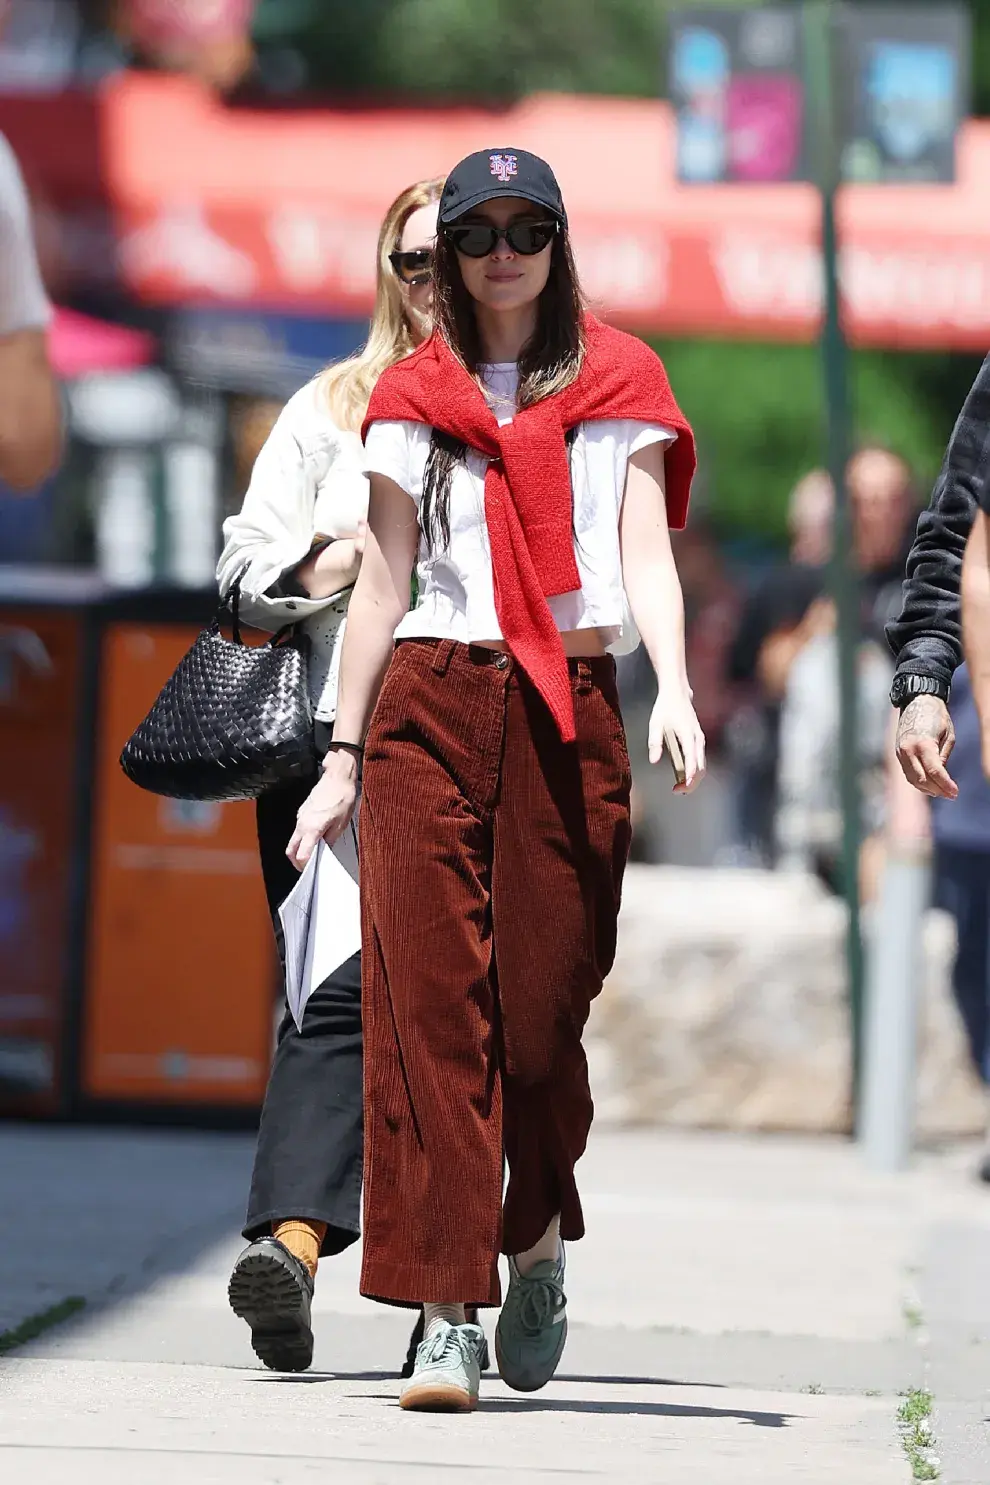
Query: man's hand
{"type": "Point", "coordinates": [925, 739]}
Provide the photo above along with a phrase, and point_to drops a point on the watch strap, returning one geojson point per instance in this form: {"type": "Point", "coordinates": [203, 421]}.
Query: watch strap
{"type": "Point", "coordinates": [906, 688]}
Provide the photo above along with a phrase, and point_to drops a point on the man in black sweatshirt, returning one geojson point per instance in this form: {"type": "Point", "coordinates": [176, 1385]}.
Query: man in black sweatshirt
{"type": "Point", "coordinates": [926, 638]}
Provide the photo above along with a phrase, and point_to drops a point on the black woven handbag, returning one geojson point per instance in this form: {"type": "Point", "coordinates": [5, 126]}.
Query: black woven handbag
{"type": "Point", "coordinates": [232, 721]}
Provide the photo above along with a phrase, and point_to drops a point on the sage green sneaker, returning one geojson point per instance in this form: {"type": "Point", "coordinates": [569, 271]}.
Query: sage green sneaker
{"type": "Point", "coordinates": [532, 1328]}
{"type": "Point", "coordinates": [447, 1373]}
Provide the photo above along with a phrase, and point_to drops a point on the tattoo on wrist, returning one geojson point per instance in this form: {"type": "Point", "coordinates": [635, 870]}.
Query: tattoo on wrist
{"type": "Point", "coordinates": [924, 716]}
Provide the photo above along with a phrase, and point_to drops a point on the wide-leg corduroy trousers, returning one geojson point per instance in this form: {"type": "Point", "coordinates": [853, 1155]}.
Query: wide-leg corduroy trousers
{"type": "Point", "coordinates": [492, 856]}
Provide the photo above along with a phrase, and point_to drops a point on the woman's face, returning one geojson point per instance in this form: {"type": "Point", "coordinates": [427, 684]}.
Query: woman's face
{"type": "Point", "coordinates": [419, 232]}
{"type": "Point", "coordinates": [505, 280]}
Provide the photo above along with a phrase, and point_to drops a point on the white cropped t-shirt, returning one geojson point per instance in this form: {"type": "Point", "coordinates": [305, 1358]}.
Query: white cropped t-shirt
{"type": "Point", "coordinates": [456, 589]}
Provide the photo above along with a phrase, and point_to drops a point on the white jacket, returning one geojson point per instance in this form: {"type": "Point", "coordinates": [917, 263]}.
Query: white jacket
{"type": "Point", "coordinates": [308, 480]}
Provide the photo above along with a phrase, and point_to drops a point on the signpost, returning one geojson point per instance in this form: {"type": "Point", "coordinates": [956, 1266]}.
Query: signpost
{"type": "Point", "coordinates": [826, 92]}
{"type": "Point", "coordinates": [822, 119]}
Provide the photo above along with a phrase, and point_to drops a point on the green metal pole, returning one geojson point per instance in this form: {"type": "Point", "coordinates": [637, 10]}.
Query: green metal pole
{"type": "Point", "coordinates": [821, 63]}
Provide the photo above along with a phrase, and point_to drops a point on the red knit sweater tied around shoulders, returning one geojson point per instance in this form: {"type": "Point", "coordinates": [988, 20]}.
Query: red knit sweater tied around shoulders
{"type": "Point", "coordinates": [528, 499]}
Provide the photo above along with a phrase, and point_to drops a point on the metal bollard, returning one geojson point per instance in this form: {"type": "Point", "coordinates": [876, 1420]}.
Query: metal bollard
{"type": "Point", "coordinates": [895, 965]}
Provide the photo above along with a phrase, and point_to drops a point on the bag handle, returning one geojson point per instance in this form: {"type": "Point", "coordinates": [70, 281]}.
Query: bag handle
{"type": "Point", "coordinates": [230, 605]}
{"type": "Point", "coordinates": [235, 611]}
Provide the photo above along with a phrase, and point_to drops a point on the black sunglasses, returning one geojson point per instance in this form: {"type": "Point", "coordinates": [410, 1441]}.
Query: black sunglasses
{"type": "Point", "coordinates": [526, 238]}
{"type": "Point", "coordinates": [414, 267]}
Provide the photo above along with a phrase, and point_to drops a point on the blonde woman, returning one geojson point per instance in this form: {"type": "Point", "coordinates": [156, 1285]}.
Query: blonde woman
{"type": "Point", "coordinates": [295, 549]}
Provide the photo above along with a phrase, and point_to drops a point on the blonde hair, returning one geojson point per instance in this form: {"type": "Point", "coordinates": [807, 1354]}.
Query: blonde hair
{"type": "Point", "coordinates": [349, 384]}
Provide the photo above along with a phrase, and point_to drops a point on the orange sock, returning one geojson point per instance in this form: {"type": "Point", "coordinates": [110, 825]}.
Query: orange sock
{"type": "Point", "coordinates": [303, 1238]}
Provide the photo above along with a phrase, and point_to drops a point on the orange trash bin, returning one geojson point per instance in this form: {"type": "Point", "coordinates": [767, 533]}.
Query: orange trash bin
{"type": "Point", "coordinates": [139, 931]}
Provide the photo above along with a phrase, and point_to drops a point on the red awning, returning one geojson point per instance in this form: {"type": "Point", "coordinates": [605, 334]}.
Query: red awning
{"type": "Point", "coordinates": [281, 208]}
{"type": "Point", "coordinates": [78, 344]}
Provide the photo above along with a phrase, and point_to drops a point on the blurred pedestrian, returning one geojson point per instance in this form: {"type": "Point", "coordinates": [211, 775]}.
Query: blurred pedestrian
{"type": "Point", "coordinates": [533, 444]}
{"type": "Point", "coordinates": [666, 828]}
{"type": "Point", "coordinates": [792, 611]}
{"type": "Point", "coordinates": [768, 638]}
{"type": "Point", "coordinates": [926, 637]}
{"type": "Point", "coordinates": [294, 551]}
{"type": "Point", "coordinates": [30, 415]}
{"type": "Point", "coordinates": [809, 820]}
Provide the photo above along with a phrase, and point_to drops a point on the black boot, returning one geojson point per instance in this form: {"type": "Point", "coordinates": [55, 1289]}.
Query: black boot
{"type": "Point", "coordinates": [273, 1292]}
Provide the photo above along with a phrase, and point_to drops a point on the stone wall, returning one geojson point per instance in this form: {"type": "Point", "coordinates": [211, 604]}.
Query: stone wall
{"type": "Point", "coordinates": [726, 1008]}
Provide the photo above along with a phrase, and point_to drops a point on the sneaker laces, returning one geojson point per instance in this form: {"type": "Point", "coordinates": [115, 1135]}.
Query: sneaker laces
{"type": "Point", "coordinates": [537, 1301]}
{"type": "Point", "coordinates": [447, 1339]}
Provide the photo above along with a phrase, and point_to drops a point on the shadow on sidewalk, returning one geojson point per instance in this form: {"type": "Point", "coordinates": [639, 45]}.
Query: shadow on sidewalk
{"type": "Point", "coordinates": [620, 1409]}
{"type": "Point", "coordinates": [108, 1211]}
{"type": "Point", "coordinates": [644, 1410]}
{"type": "Point", "coordinates": [293, 1379]}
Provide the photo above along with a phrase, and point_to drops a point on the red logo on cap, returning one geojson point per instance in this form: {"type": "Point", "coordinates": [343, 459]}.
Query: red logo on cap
{"type": "Point", "coordinates": [504, 167]}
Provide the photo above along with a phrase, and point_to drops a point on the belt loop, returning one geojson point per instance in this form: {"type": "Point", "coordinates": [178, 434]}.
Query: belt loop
{"type": "Point", "coordinates": [443, 656]}
{"type": "Point", "coordinates": [584, 676]}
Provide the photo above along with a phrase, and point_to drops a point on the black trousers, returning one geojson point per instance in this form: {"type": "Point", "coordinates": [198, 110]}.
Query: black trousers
{"type": "Point", "coordinates": [962, 887]}
{"type": "Point", "coordinates": [310, 1143]}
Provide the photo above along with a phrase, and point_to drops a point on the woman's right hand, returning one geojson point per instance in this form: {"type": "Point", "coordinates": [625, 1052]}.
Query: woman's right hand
{"type": "Point", "coordinates": [327, 810]}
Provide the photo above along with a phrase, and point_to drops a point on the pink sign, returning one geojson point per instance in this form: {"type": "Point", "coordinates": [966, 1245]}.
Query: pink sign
{"type": "Point", "coordinates": [763, 121]}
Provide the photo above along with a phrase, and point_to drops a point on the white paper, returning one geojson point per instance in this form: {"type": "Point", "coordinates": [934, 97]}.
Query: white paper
{"type": "Point", "coordinates": [321, 919]}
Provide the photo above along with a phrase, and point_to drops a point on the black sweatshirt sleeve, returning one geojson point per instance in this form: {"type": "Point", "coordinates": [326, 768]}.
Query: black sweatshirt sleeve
{"type": "Point", "coordinates": [926, 638]}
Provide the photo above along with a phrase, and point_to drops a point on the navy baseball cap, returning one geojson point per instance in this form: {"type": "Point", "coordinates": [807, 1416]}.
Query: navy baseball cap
{"type": "Point", "coordinates": [507, 172]}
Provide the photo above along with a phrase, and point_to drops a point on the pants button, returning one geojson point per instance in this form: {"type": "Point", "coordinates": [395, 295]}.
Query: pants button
{"type": "Point", "coordinates": [501, 661]}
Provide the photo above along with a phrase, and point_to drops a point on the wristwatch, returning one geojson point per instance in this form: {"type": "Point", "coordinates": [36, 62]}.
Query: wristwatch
{"type": "Point", "coordinates": [906, 688]}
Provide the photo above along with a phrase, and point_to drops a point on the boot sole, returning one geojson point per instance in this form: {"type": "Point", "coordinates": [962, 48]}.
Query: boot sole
{"type": "Point", "coordinates": [432, 1398]}
{"type": "Point", "coordinates": [522, 1383]}
{"type": "Point", "coordinates": [264, 1294]}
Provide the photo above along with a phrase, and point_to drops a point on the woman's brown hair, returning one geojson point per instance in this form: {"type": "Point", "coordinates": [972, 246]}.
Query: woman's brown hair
{"type": "Point", "coordinates": [550, 360]}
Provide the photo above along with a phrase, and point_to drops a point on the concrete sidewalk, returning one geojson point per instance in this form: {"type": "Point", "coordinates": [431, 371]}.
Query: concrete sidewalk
{"type": "Point", "coordinates": [742, 1311]}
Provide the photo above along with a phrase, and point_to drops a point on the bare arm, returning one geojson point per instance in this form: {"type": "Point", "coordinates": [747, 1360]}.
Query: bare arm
{"type": "Point", "coordinates": [380, 598]}
{"type": "Point", "coordinates": [654, 592]}
{"type": "Point", "coordinates": [976, 623]}
{"type": "Point", "coordinates": [334, 569]}
{"type": "Point", "coordinates": [30, 413]}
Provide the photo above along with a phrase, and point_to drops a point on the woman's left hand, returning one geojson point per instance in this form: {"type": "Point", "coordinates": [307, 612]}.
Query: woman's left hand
{"type": "Point", "coordinates": [674, 714]}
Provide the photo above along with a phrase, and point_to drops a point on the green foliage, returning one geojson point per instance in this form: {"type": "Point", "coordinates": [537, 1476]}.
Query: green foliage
{"type": "Point", "coordinates": [914, 1420]}
{"type": "Point", "coordinates": [757, 411]}
{"type": "Point", "coordinates": [36, 1325]}
{"type": "Point", "coordinates": [506, 48]}
{"type": "Point", "coordinates": [492, 49]}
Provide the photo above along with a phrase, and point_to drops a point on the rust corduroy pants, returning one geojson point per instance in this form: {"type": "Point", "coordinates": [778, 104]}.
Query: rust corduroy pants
{"type": "Point", "coordinates": [492, 856]}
